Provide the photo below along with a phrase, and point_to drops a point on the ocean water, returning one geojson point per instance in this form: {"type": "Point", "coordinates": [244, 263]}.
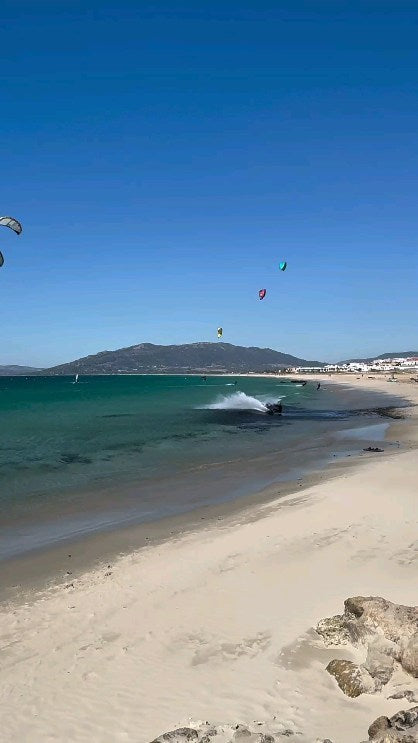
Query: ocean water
{"type": "Point", "coordinates": [76, 457]}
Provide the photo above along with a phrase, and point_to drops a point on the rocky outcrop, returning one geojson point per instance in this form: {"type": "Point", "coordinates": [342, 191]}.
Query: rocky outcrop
{"type": "Point", "coordinates": [409, 658]}
{"type": "Point", "coordinates": [400, 728]}
{"type": "Point", "coordinates": [389, 634]}
{"type": "Point", "coordinates": [255, 732]}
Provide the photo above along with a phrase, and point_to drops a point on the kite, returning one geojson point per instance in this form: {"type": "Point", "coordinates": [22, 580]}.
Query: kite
{"type": "Point", "coordinates": [262, 293]}
{"type": "Point", "coordinates": [283, 265]}
{"type": "Point", "coordinates": [220, 332]}
{"type": "Point", "coordinates": [12, 223]}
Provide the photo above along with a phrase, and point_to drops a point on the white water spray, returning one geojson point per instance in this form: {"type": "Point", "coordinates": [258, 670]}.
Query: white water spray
{"type": "Point", "coordinates": [238, 401]}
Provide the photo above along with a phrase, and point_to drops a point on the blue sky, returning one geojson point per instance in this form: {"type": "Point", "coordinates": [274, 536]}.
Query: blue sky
{"type": "Point", "coordinates": [163, 157]}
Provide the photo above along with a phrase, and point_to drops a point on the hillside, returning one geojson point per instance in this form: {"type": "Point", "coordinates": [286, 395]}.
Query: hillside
{"type": "Point", "coordinates": [13, 370]}
{"type": "Point", "coordinates": [211, 357]}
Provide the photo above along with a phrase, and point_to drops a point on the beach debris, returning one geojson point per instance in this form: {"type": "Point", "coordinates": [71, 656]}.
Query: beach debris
{"type": "Point", "coordinates": [373, 448]}
{"type": "Point", "coordinates": [262, 293]}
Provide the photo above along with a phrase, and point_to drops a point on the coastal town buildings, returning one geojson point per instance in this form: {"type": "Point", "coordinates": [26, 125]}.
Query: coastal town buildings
{"type": "Point", "coordinates": [391, 365]}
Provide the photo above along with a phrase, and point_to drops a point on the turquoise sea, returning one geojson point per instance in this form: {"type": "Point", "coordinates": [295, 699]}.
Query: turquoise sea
{"type": "Point", "coordinates": [107, 450]}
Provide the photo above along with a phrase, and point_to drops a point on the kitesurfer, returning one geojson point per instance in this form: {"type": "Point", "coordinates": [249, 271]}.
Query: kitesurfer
{"type": "Point", "coordinates": [274, 408]}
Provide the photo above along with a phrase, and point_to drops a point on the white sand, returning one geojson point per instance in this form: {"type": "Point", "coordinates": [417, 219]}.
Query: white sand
{"type": "Point", "coordinates": [213, 625]}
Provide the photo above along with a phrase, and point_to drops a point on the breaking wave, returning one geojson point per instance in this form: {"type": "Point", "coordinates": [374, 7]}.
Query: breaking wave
{"type": "Point", "coordinates": [238, 401]}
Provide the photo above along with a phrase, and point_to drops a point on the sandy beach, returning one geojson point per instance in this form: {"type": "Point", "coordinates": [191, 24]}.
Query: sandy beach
{"type": "Point", "coordinates": [217, 623]}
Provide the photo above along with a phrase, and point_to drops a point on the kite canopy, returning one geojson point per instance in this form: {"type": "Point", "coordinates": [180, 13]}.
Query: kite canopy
{"type": "Point", "coordinates": [220, 331]}
{"type": "Point", "coordinates": [262, 293]}
{"type": "Point", "coordinates": [1, 259]}
{"type": "Point", "coordinates": [283, 265]}
{"type": "Point", "coordinates": [12, 223]}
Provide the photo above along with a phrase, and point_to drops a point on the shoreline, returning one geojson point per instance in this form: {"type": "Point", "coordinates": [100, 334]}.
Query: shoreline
{"type": "Point", "coordinates": [66, 559]}
{"type": "Point", "coordinates": [215, 623]}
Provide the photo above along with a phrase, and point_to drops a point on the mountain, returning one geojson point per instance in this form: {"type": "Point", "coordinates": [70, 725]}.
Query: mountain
{"type": "Point", "coordinates": [13, 370]}
{"type": "Point", "coordinates": [392, 355]}
{"type": "Point", "coordinates": [148, 358]}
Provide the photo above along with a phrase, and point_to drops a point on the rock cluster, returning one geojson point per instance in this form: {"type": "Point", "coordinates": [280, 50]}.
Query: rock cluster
{"type": "Point", "coordinates": [400, 728]}
{"type": "Point", "coordinates": [255, 732]}
{"type": "Point", "coordinates": [387, 631]}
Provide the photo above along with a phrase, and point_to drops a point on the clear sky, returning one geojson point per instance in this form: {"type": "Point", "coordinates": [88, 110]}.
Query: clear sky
{"type": "Point", "coordinates": [163, 157]}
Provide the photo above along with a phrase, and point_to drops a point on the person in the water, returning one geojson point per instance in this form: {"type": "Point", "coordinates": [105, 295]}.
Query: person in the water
{"type": "Point", "coordinates": [274, 408]}
{"type": "Point", "coordinates": [318, 386]}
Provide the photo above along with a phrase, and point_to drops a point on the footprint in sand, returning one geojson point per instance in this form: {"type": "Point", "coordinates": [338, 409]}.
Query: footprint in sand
{"type": "Point", "coordinates": [100, 642]}
{"type": "Point", "coordinates": [365, 555]}
{"type": "Point", "coordinates": [406, 556]}
{"type": "Point", "coordinates": [231, 562]}
{"type": "Point", "coordinates": [225, 651]}
{"type": "Point", "coordinates": [89, 676]}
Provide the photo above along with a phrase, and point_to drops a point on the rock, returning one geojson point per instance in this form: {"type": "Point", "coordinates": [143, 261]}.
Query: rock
{"type": "Point", "coordinates": [384, 730]}
{"type": "Point", "coordinates": [409, 659]}
{"type": "Point", "coordinates": [378, 726]}
{"type": "Point", "coordinates": [255, 732]}
{"type": "Point", "coordinates": [180, 735]}
{"type": "Point", "coordinates": [353, 680]}
{"type": "Point", "coordinates": [333, 630]}
{"type": "Point", "coordinates": [379, 665]}
{"type": "Point", "coordinates": [405, 719]}
{"type": "Point", "coordinates": [389, 633]}
{"type": "Point", "coordinates": [408, 694]}
{"type": "Point", "coordinates": [372, 614]}
{"type": "Point", "coordinates": [242, 732]}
